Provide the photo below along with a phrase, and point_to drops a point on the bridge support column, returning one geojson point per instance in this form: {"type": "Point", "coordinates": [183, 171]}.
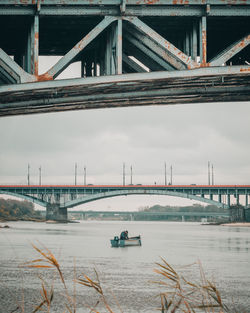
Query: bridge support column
{"type": "Point", "coordinates": [113, 53]}
{"type": "Point", "coordinates": [237, 199]}
{"type": "Point", "coordinates": [32, 48]}
{"type": "Point", "coordinates": [203, 40]}
{"type": "Point", "coordinates": [55, 213]}
{"type": "Point", "coordinates": [228, 200]}
{"type": "Point", "coordinates": [194, 45]}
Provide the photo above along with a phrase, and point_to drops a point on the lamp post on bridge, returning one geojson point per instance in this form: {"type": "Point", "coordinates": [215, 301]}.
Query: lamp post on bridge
{"type": "Point", "coordinates": [208, 172]}
{"type": "Point", "coordinates": [123, 174]}
{"type": "Point", "coordinates": [40, 175]}
{"type": "Point", "coordinates": [28, 176]}
{"type": "Point", "coordinates": [84, 175]}
{"type": "Point", "coordinates": [165, 173]}
{"type": "Point", "coordinates": [75, 173]}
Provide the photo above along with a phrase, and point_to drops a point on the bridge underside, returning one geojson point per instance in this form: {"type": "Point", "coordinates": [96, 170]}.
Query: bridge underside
{"type": "Point", "coordinates": [130, 52]}
{"type": "Point", "coordinates": [156, 88]}
{"type": "Point", "coordinates": [110, 194]}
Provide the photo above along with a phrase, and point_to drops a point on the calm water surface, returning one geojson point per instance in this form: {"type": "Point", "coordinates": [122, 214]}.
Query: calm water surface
{"type": "Point", "coordinates": [126, 273]}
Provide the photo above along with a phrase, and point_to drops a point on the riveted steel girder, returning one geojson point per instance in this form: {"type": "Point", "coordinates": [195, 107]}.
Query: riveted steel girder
{"type": "Point", "coordinates": [130, 7]}
{"type": "Point", "coordinates": [169, 48]}
{"type": "Point", "coordinates": [230, 51]}
{"type": "Point", "coordinates": [151, 49]}
{"type": "Point", "coordinates": [13, 70]}
{"type": "Point", "coordinates": [68, 58]}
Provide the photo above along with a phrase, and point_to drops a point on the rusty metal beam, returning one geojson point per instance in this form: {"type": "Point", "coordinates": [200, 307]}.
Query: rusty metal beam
{"type": "Point", "coordinates": [119, 47]}
{"type": "Point", "coordinates": [155, 88]}
{"type": "Point", "coordinates": [151, 49]}
{"type": "Point", "coordinates": [34, 45]}
{"type": "Point", "coordinates": [203, 40]}
{"type": "Point", "coordinates": [143, 57]}
{"type": "Point", "coordinates": [230, 51]}
{"type": "Point", "coordinates": [68, 58]}
{"type": "Point", "coordinates": [128, 2]}
{"type": "Point", "coordinates": [162, 42]}
{"type": "Point", "coordinates": [13, 70]}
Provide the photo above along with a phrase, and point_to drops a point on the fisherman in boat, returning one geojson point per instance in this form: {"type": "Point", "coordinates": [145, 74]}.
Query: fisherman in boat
{"type": "Point", "coordinates": [124, 235]}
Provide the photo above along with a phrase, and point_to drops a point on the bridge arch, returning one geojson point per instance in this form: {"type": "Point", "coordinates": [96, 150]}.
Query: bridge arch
{"type": "Point", "coordinates": [24, 197]}
{"type": "Point", "coordinates": [126, 192]}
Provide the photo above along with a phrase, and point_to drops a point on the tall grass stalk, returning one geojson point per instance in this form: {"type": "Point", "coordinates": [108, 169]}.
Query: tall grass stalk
{"type": "Point", "coordinates": [183, 295]}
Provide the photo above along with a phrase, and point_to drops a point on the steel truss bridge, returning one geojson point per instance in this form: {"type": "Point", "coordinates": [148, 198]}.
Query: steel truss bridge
{"type": "Point", "coordinates": [58, 198]}
{"type": "Point", "coordinates": [132, 52]}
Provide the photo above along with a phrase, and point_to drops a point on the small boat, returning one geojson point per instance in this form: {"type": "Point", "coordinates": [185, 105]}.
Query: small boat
{"type": "Point", "coordinates": [132, 241]}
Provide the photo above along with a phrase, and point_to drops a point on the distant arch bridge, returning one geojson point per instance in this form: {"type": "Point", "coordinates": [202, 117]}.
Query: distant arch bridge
{"type": "Point", "coordinates": [58, 198]}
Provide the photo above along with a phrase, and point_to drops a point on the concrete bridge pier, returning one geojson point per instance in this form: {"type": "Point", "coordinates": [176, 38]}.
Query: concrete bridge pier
{"type": "Point", "coordinates": [55, 213]}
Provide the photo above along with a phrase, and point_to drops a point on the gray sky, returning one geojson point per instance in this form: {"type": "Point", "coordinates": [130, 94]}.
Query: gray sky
{"type": "Point", "coordinates": [186, 136]}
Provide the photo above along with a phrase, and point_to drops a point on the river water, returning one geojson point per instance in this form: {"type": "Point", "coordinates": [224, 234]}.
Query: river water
{"type": "Point", "coordinates": [126, 273]}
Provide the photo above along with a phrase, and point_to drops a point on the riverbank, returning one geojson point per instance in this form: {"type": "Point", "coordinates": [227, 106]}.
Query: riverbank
{"type": "Point", "coordinates": [243, 224]}
{"type": "Point", "coordinates": [231, 224]}
{"type": "Point", "coordinates": [23, 219]}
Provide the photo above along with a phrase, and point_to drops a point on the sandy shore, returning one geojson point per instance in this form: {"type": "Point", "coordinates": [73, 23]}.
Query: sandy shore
{"type": "Point", "coordinates": [237, 224]}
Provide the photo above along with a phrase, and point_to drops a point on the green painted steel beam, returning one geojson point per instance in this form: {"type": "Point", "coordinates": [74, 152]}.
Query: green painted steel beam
{"type": "Point", "coordinates": [13, 69]}
{"type": "Point", "coordinates": [69, 57]}
{"type": "Point", "coordinates": [132, 64]}
{"type": "Point", "coordinates": [155, 88]}
{"type": "Point", "coordinates": [119, 47]}
{"type": "Point", "coordinates": [34, 43]}
{"type": "Point", "coordinates": [144, 57]}
{"type": "Point", "coordinates": [24, 197]}
{"type": "Point", "coordinates": [149, 3]}
{"type": "Point", "coordinates": [154, 54]}
{"type": "Point", "coordinates": [195, 9]}
{"type": "Point", "coordinates": [142, 191]}
{"type": "Point", "coordinates": [203, 39]}
{"type": "Point", "coordinates": [199, 72]}
{"type": "Point", "coordinates": [152, 49]}
{"type": "Point", "coordinates": [230, 51]}
{"type": "Point", "coordinates": [178, 55]}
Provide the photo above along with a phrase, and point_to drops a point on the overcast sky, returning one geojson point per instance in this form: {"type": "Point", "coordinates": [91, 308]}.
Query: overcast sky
{"type": "Point", "coordinates": [185, 136]}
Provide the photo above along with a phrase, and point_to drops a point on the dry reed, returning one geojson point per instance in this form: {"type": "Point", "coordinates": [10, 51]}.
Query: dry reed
{"type": "Point", "coordinates": [179, 295]}
{"type": "Point", "coordinates": [183, 295]}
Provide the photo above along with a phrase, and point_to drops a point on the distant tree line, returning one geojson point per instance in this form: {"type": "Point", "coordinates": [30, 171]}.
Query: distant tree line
{"type": "Point", "coordinates": [14, 209]}
{"type": "Point", "coordinates": [190, 208]}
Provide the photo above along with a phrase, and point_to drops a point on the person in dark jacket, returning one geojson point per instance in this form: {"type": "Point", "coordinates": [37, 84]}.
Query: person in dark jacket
{"type": "Point", "coordinates": [124, 235]}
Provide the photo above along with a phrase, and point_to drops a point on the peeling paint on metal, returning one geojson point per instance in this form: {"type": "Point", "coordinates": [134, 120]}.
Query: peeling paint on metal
{"type": "Point", "coordinates": [44, 77]}
{"type": "Point", "coordinates": [204, 46]}
{"type": "Point", "coordinates": [245, 70]}
{"type": "Point", "coordinates": [183, 2]}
